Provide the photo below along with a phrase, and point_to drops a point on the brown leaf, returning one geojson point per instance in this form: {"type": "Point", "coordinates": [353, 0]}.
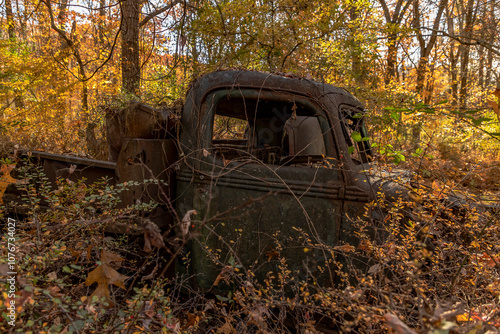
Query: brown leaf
{"type": "Point", "coordinates": [374, 269]}
{"type": "Point", "coordinates": [398, 326]}
{"type": "Point", "coordinates": [52, 276]}
{"type": "Point", "coordinates": [54, 291]}
{"type": "Point", "coordinates": [494, 288]}
{"type": "Point", "coordinates": [72, 169]}
{"type": "Point", "coordinates": [272, 253]}
{"type": "Point", "coordinates": [186, 222]}
{"type": "Point", "coordinates": [89, 251]}
{"type": "Point", "coordinates": [107, 257]}
{"type": "Point", "coordinates": [193, 320]}
{"type": "Point", "coordinates": [103, 276]}
{"type": "Point", "coordinates": [345, 248]}
{"type": "Point", "coordinates": [365, 245]}
{"type": "Point", "coordinates": [76, 254]}
{"type": "Point", "coordinates": [223, 275]}
{"type": "Point", "coordinates": [227, 328]}
{"type": "Point", "coordinates": [152, 236]}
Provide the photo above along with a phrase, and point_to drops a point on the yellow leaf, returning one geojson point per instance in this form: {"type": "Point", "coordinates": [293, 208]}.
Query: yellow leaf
{"type": "Point", "coordinates": [463, 317]}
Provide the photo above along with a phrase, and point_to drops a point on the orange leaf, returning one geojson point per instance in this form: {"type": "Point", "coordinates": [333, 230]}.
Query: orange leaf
{"type": "Point", "coordinates": [5, 179]}
{"type": "Point", "coordinates": [345, 248]}
{"type": "Point", "coordinates": [271, 254]}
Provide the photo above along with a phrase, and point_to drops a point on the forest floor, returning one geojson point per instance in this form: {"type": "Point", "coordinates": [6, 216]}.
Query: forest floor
{"type": "Point", "coordinates": [438, 273]}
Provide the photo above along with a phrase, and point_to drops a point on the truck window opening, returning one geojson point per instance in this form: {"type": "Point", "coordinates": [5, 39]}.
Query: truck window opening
{"type": "Point", "coordinates": [352, 123]}
{"type": "Point", "coordinates": [272, 131]}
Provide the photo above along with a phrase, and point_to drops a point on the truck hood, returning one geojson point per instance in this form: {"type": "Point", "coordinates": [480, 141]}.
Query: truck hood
{"type": "Point", "coordinates": [398, 183]}
{"type": "Point", "coordinates": [394, 183]}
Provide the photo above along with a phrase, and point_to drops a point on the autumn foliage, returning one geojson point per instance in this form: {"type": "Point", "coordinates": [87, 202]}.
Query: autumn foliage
{"type": "Point", "coordinates": [427, 72]}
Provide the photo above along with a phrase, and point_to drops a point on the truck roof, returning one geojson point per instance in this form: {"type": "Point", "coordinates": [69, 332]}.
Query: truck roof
{"type": "Point", "coordinates": [258, 80]}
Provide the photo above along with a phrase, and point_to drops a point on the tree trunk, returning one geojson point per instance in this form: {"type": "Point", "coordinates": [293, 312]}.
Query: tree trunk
{"type": "Point", "coordinates": [465, 52]}
{"type": "Point", "coordinates": [10, 20]}
{"type": "Point", "coordinates": [102, 14]}
{"type": "Point", "coordinates": [393, 20]}
{"type": "Point", "coordinates": [131, 71]}
{"type": "Point", "coordinates": [357, 68]}
{"type": "Point", "coordinates": [425, 47]}
{"type": "Point", "coordinates": [453, 58]}
{"type": "Point", "coordinates": [392, 58]}
{"type": "Point", "coordinates": [421, 71]}
{"type": "Point", "coordinates": [22, 20]}
{"type": "Point", "coordinates": [480, 74]}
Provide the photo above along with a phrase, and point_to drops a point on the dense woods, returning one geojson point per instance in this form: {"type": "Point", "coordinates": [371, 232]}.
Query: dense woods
{"type": "Point", "coordinates": [427, 72]}
{"type": "Point", "coordinates": [63, 61]}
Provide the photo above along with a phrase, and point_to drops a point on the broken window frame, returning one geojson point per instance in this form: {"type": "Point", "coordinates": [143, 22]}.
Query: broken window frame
{"type": "Point", "coordinates": [264, 96]}
{"type": "Point", "coordinates": [352, 119]}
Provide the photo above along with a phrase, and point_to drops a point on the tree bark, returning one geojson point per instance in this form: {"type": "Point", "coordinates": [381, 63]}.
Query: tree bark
{"type": "Point", "coordinates": [465, 53]}
{"type": "Point", "coordinates": [130, 63]}
{"type": "Point", "coordinates": [453, 55]}
{"type": "Point", "coordinates": [102, 14]}
{"type": "Point", "coordinates": [357, 68]}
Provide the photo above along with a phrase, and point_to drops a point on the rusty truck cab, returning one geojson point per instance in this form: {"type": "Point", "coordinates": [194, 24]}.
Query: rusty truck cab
{"type": "Point", "coordinates": [265, 161]}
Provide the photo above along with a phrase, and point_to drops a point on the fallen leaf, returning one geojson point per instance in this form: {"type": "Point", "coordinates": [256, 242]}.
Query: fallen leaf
{"type": "Point", "coordinates": [398, 326]}
{"type": "Point", "coordinates": [5, 179]}
{"type": "Point", "coordinates": [193, 320]}
{"type": "Point", "coordinates": [54, 291]}
{"type": "Point", "coordinates": [108, 257]}
{"type": "Point", "coordinates": [365, 245]}
{"type": "Point", "coordinates": [227, 328]}
{"type": "Point", "coordinates": [52, 276]}
{"type": "Point", "coordinates": [152, 236]}
{"type": "Point", "coordinates": [104, 275]}
{"type": "Point", "coordinates": [223, 275]}
{"type": "Point", "coordinates": [72, 169]}
{"type": "Point", "coordinates": [374, 269]}
{"type": "Point", "coordinates": [494, 288]}
{"type": "Point", "coordinates": [272, 253]}
{"type": "Point", "coordinates": [355, 295]}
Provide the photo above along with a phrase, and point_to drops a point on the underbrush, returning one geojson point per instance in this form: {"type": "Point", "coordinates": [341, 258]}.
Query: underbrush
{"type": "Point", "coordinates": [436, 269]}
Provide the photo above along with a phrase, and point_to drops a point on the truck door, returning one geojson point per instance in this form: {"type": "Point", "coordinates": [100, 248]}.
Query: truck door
{"type": "Point", "coordinates": [267, 188]}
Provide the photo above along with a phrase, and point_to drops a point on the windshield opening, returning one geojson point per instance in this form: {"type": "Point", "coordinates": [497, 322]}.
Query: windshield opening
{"type": "Point", "coordinates": [355, 134]}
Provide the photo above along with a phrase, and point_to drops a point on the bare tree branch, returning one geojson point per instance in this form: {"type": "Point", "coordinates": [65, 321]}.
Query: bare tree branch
{"type": "Point", "coordinates": [159, 11]}
{"type": "Point", "coordinates": [467, 40]}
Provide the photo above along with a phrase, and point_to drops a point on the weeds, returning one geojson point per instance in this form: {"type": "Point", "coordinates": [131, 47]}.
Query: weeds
{"type": "Point", "coordinates": [427, 265]}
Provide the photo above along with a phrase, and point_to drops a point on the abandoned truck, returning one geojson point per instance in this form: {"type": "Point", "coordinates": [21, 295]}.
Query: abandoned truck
{"type": "Point", "coordinates": [271, 164]}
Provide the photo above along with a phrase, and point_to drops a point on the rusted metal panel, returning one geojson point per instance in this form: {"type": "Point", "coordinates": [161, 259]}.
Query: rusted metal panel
{"type": "Point", "coordinates": [137, 120]}
{"type": "Point", "coordinates": [57, 166]}
{"type": "Point", "coordinates": [149, 159]}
